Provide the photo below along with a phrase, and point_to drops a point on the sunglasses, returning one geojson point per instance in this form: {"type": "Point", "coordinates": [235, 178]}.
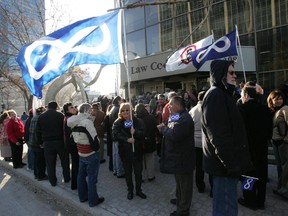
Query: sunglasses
{"type": "Point", "coordinates": [231, 72]}
{"type": "Point", "coordinates": [127, 110]}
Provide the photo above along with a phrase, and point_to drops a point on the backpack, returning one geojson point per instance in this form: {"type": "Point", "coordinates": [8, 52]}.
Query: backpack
{"type": "Point", "coordinates": [93, 142]}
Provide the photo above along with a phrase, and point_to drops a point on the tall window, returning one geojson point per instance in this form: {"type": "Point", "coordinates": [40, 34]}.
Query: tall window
{"type": "Point", "coordinates": [136, 44]}
{"type": "Point", "coordinates": [263, 14]}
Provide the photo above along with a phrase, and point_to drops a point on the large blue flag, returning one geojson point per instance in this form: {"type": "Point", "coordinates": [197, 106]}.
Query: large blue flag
{"type": "Point", "coordinates": [223, 47]}
{"type": "Point", "coordinates": [95, 40]}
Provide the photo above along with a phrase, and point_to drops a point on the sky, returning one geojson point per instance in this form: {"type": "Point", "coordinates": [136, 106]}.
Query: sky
{"type": "Point", "coordinates": [75, 10]}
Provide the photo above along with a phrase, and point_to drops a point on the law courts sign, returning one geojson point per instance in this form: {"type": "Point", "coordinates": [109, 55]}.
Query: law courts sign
{"type": "Point", "coordinates": [153, 66]}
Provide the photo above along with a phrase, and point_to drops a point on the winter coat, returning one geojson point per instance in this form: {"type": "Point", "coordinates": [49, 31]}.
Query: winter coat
{"type": "Point", "coordinates": [196, 114]}
{"type": "Point", "coordinates": [280, 115]}
{"type": "Point", "coordinates": [150, 128]}
{"type": "Point", "coordinates": [121, 134]}
{"type": "Point", "coordinates": [225, 144]}
{"type": "Point", "coordinates": [99, 119]}
{"type": "Point", "coordinates": [83, 143]}
{"type": "Point", "coordinates": [258, 124]}
{"type": "Point", "coordinates": [178, 150]}
{"type": "Point", "coordinates": [15, 131]}
{"type": "Point", "coordinates": [33, 141]}
{"type": "Point", "coordinates": [50, 126]}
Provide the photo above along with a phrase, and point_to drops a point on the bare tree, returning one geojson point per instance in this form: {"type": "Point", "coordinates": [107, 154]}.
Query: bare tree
{"type": "Point", "coordinates": [20, 23]}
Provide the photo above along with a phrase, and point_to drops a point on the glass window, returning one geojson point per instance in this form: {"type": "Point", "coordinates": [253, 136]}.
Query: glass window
{"type": "Point", "coordinates": [240, 13]}
{"type": "Point", "coordinates": [273, 49]}
{"type": "Point", "coordinates": [281, 7]}
{"type": "Point", "coordinates": [247, 40]}
{"type": "Point", "coordinates": [203, 31]}
{"type": "Point", "coordinates": [264, 45]}
{"type": "Point", "coordinates": [181, 8]}
{"type": "Point", "coordinates": [217, 20]}
{"type": "Point", "coordinates": [182, 30]}
{"type": "Point", "coordinates": [166, 11]}
{"type": "Point", "coordinates": [167, 35]}
{"type": "Point", "coordinates": [136, 44]}
{"type": "Point", "coordinates": [151, 13]}
{"type": "Point", "coordinates": [263, 14]}
{"type": "Point", "coordinates": [134, 19]}
{"type": "Point", "coordinates": [152, 35]}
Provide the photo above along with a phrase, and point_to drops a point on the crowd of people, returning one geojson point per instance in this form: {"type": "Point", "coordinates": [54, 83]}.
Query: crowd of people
{"type": "Point", "coordinates": [220, 131]}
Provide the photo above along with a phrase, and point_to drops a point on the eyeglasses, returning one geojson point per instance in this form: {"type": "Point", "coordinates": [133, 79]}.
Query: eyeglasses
{"type": "Point", "coordinates": [127, 110]}
{"type": "Point", "coordinates": [231, 72]}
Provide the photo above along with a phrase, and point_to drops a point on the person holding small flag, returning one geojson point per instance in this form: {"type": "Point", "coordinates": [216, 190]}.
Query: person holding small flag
{"type": "Point", "coordinates": [258, 123]}
{"type": "Point", "coordinates": [128, 131]}
{"type": "Point", "coordinates": [178, 153]}
{"type": "Point", "coordinates": [225, 147]}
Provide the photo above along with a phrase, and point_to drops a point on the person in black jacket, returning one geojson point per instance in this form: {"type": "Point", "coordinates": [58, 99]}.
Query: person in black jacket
{"type": "Point", "coordinates": [118, 169]}
{"type": "Point", "coordinates": [149, 145]}
{"type": "Point", "coordinates": [128, 131]}
{"type": "Point", "coordinates": [258, 123]}
{"type": "Point", "coordinates": [225, 147]}
{"type": "Point", "coordinates": [70, 110]}
{"type": "Point", "coordinates": [178, 153]}
{"type": "Point", "coordinates": [39, 158]}
{"type": "Point", "coordinates": [49, 131]}
{"type": "Point", "coordinates": [30, 154]}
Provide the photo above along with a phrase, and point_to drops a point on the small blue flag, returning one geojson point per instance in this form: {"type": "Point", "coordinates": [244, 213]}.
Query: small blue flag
{"type": "Point", "coordinates": [95, 40]}
{"type": "Point", "coordinates": [175, 117]}
{"type": "Point", "coordinates": [248, 183]}
{"type": "Point", "coordinates": [128, 124]}
{"type": "Point", "coordinates": [223, 47]}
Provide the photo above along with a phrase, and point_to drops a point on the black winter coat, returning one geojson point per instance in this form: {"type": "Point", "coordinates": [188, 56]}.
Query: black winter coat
{"type": "Point", "coordinates": [258, 124]}
{"type": "Point", "coordinates": [178, 149]}
{"type": "Point", "coordinates": [150, 128]}
{"type": "Point", "coordinates": [50, 126]}
{"type": "Point", "coordinates": [121, 134]}
{"type": "Point", "coordinates": [225, 146]}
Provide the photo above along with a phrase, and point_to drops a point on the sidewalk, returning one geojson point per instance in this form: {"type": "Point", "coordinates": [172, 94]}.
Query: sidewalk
{"type": "Point", "coordinates": [159, 192]}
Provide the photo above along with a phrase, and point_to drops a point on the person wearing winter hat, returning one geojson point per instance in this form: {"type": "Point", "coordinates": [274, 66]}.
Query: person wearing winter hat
{"type": "Point", "coordinates": [225, 146]}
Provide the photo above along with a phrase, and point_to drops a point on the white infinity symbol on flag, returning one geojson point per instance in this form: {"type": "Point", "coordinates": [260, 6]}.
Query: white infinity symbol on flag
{"type": "Point", "coordinates": [214, 46]}
{"type": "Point", "coordinates": [59, 49]}
{"type": "Point", "coordinates": [128, 123]}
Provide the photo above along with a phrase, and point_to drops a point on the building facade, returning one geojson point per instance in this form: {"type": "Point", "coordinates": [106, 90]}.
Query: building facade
{"type": "Point", "coordinates": [153, 32]}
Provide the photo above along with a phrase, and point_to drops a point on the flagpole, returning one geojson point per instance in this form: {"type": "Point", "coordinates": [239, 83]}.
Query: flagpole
{"type": "Point", "coordinates": [240, 50]}
{"type": "Point", "coordinates": [126, 64]}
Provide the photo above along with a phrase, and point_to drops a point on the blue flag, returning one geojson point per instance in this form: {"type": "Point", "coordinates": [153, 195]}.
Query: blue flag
{"type": "Point", "coordinates": [248, 183]}
{"type": "Point", "coordinates": [128, 123]}
{"type": "Point", "coordinates": [95, 40]}
{"type": "Point", "coordinates": [175, 117]}
{"type": "Point", "coordinates": [223, 47]}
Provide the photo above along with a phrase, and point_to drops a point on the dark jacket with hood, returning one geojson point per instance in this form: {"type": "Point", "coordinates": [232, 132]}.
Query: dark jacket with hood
{"type": "Point", "coordinates": [225, 145]}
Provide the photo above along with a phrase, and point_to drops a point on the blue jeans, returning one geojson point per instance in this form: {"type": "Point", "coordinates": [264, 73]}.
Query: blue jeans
{"type": "Point", "coordinates": [88, 166]}
{"type": "Point", "coordinates": [117, 162]}
{"type": "Point", "coordinates": [225, 196]}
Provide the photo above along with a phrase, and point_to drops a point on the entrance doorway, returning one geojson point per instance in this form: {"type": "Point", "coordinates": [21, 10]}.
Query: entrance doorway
{"type": "Point", "coordinates": [175, 86]}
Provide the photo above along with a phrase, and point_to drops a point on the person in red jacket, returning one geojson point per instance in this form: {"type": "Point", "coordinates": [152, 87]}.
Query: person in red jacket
{"type": "Point", "coordinates": [15, 133]}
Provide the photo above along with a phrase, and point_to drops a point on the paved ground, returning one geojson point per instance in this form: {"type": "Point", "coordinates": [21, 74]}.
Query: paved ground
{"type": "Point", "coordinates": [19, 196]}
{"type": "Point", "coordinates": [159, 193]}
